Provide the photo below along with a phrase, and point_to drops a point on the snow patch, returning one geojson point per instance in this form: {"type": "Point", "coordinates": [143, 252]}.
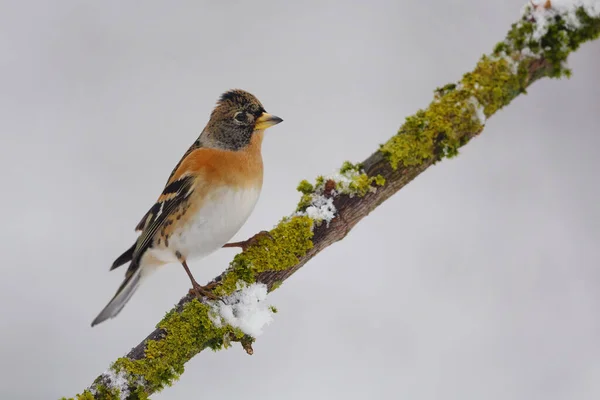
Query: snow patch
{"type": "Point", "coordinates": [244, 309]}
{"type": "Point", "coordinates": [320, 209]}
{"type": "Point", "coordinates": [115, 380]}
{"type": "Point", "coordinates": [343, 181]}
{"type": "Point", "coordinates": [566, 9]}
{"type": "Point", "coordinates": [479, 114]}
{"type": "Point", "coordinates": [526, 52]}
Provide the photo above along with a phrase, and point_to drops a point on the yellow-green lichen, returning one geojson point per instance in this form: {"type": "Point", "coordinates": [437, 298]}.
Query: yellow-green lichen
{"type": "Point", "coordinates": [433, 133]}
{"type": "Point", "coordinates": [362, 183]}
{"type": "Point", "coordinates": [103, 392]}
{"type": "Point", "coordinates": [187, 333]}
{"type": "Point", "coordinates": [559, 40]}
{"type": "Point", "coordinates": [444, 89]}
{"type": "Point", "coordinates": [276, 285]}
{"type": "Point", "coordinates": [108, 393]}
{"type": "Point", "coordinates": [305, 187]}
{"type": "Point", "coordinates": [347, 166]}
{"type": "Point", "coordinates": [349, 180]}
{"type": "Point", "coordinates": [358, 182]}
{"type": "Point", "coordinates": [86, 395]}
{"type": "Point", "coordinates": [448, 122]}
{"type": "Point", "coordinates": [291, 239]}
{"type": "Point", "coordinates": [305, 201]}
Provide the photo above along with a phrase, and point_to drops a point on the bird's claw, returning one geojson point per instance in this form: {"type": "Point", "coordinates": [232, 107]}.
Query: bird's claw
{"type": "Point", "coordinates": [204, 291]}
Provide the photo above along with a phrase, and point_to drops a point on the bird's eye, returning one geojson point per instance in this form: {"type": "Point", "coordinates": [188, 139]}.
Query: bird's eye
{"type": "Point", "coordinates": [240, 117]}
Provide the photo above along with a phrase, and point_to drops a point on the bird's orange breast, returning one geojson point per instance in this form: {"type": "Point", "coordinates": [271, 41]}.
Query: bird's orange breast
{"type": "Point", "coordinates": [215, 167]}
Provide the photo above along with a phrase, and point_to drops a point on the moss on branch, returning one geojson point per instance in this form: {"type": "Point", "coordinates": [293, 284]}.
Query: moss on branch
{"type": "Point", "coordinates": [447, 124]}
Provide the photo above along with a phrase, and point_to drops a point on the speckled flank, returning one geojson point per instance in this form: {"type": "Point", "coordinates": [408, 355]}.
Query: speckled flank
{"type": "Point", "coordinates": [210, 222]}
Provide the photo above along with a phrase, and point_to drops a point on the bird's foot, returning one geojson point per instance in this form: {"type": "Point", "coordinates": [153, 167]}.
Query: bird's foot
{"type": "Point", "coordinates": [204, 291]}
{"type": "Point", "coordinates": [253, 240]}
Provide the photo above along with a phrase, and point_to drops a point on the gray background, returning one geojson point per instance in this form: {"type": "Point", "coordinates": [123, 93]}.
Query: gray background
{"type": "Point", "coordinates": [477, 281]}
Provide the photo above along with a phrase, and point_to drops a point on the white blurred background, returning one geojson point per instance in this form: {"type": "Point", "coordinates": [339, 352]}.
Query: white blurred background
{"type": "Point", "coordinates": [479, 280]}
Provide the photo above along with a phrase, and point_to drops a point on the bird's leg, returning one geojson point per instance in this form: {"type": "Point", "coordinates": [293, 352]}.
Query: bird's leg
{"type": "Point", "coordinates": [198, 289]}
{"type": "Point", "coordinates": [249, 242]}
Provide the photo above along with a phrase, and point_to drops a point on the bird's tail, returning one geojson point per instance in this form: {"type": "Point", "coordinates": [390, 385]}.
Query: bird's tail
{"type": "Point", "coordinates": [124, 258]}
{"type": "Point", "coordinates": [124, 293]}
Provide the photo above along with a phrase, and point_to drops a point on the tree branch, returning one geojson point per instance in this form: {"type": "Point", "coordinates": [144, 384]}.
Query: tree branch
{"type": "Point", "coordinates": [536, 47]}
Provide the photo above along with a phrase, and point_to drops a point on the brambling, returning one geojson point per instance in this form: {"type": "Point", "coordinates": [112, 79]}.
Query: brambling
{"type": "Point", "coordinates": [208, 197]}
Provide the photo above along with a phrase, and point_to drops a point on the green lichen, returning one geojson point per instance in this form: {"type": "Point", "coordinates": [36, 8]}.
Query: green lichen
{"type": "Point", "coordinates": [291, 239]}
{"type": "Point", "coordinates": [439, 92]}
{"type": "Point", "coordinates": [276, 285]}
{"type": "Point", "coordinates": [187, 333]}
{"type": "Point", "coordinates": [433, 133]}
{"type": "Point", "coordinates": [103, 393]}
{"type": "Point", "coordinates": [347, 166]}
{"type": "Point", "coordinates": [107, 393]}
{"type": "Point", "coordinates": [320, 180]}
{"type": "Point", "coordinates": [447, 124]}
{"type": "Point", "coordinates": [556, 44]}
{"type": "Point", "coordinates": [304, 202]}
{"type": "Point", "coordinates": [355, 181]}
{"type": "Point", "coordinates": [378, 180]}
{"type": "Point", "coordinates": [362, 184]}
{"type": "Point", "coordinates": [560, 41]}
{"type": "Point", "coordinates": [86, 395]}
{"type": "Point", "coordinates": [350, 180]}
{"type": "Point", "coordinates": [500, 47]}
{"type": "Point", "coordinates": [305, 187]}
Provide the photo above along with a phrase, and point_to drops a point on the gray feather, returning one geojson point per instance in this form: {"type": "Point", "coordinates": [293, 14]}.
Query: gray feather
{"type": "Point", "coordinates": [116, 304]}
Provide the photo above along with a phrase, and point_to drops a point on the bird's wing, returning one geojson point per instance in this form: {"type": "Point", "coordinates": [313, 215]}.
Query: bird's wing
{"type": "Point", "coordinates": [174, 194]}
{"type": "Point", "coordinates": [140, 226]}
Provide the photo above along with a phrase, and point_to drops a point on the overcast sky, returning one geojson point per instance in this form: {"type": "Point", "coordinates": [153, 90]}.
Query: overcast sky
{"type": "Point", "coordinates": [479, 280]}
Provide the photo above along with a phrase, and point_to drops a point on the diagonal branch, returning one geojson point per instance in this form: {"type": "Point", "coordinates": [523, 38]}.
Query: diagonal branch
{"type": "Point", "coordinates": [536, 47]}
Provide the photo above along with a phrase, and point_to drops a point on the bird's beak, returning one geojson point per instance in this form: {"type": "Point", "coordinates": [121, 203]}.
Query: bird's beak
{"type": "Point", "coordinates": [265, 121]}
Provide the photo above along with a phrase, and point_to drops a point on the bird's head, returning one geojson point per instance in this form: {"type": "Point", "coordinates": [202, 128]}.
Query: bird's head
{"type": "Point", "coordinates": [237, 116]}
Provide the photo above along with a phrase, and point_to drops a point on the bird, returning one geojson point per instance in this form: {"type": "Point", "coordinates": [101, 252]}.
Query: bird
{"type": "Point", "coordinates": [208, 197]}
